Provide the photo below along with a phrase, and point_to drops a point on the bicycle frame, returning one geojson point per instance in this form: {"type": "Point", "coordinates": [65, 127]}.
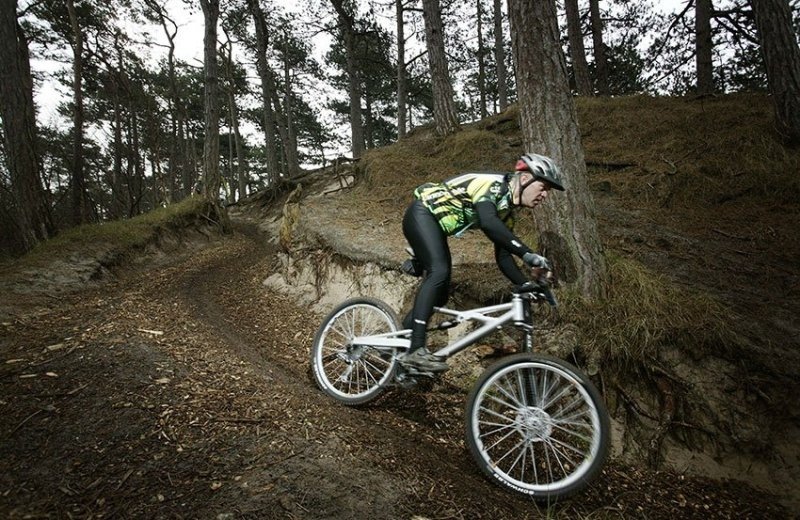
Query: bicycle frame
{"type": "Point", "coordinates": [517, 311]}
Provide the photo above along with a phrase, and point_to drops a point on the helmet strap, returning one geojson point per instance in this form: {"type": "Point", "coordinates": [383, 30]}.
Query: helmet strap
{"type": "Point", "coordinates": [523, 186]}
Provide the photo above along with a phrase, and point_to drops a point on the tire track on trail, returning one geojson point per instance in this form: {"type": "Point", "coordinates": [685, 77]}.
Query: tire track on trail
{"type": "Point", "coordinates": [385, 455]}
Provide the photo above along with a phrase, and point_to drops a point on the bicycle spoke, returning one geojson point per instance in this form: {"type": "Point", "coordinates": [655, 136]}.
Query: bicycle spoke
{"type": "Point", "coordinates": [575, 403]}
{"type": "Point", "coordinates": [561, 394]}
{"type": "Point", "coordinates": [514, 464]}
{"type": "Point", "coordinates": [567, 446]}
{"type": "Point", "coordinates": [533, 463]}
{"type": "Point", "coordinates": [500, 428]}
{"type": "Point", "coordinates": [513, 449]}
{"type": "Point", "coordinates": [572, 433]}
{"type": "Point", "coordinates": [489, 411]}
{"type": "Point", "coordinates": [503, 438]}
{"type": "Point", "coordinates": [502, 403]}
{"type": "Point", "coordinates": [510, 395]}
{"type": "Point", "coordinates": [521, 385]}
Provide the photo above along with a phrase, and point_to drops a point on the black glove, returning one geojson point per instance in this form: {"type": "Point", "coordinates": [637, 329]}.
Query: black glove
{"type": "Point", "coordinates": [534, 260]}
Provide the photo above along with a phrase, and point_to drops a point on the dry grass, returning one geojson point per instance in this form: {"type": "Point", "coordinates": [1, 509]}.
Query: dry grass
{"type": "Point", "coordinates": [122, 235]}
{"type": "Point", "coordinates": [392, 173]}
{"type": "Point", "coordinates": [707, 150]}
{"type": "Point", "coordinates": [644, 312]}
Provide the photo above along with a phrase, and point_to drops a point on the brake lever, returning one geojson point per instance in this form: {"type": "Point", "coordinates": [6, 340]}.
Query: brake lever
{"type": "Point", "coordinates": [547, 293]}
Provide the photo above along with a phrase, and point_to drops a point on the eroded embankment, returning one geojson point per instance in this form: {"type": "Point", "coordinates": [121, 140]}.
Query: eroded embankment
{"type": "Point", "coordinates": [687, 413]}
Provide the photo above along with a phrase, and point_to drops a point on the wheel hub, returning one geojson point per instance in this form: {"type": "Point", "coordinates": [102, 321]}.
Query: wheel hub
{"type": "Point", "coordinates": [534, 424]}
{"type": "Point", "coordinates": [351, 353]}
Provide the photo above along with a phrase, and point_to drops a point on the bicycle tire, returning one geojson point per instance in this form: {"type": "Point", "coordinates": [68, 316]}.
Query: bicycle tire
{"type": "Point", "coordinates": [537, 426]}
{"type": "Point", "coordinates": [353, 375]}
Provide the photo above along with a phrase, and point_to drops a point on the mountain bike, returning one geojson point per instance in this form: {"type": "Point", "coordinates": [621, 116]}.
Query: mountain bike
{"type": "Point", "coordinates": [535, 424]}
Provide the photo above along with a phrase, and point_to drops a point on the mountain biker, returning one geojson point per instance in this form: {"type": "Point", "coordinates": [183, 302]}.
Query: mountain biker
{"type": "Point", "coordinates": [471, 200]}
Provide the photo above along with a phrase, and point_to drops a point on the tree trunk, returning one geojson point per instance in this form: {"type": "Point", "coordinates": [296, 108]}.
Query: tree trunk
{"type": "Point", "coordinates": [600, 62]}
{"type": "Point", "coordinates": [267, 87]}
{"type": "Point", "coordinates": [118, 203]}
{"type": "Point", "coordinates": [31, 211]}
{"type": "Point", "coordinates": [369, 130]}
{"type": "Point", "coordinates": [444, 110]}
{"type": "Point", "coordinates": [401, 71]}
{"type": "Point", "coordinates": [284, 135]}
{"type": "Point", "coordinates": [577, 52]}
{"type": "Point", "coordinates": [500, 56]}
{"type": "Point", "coordinates": [347, 25]}
{"type": "Point", "coordinates": [80, 210]}
{"type": "Point", "coordinates": [481, 64]}
{"type": "Point", "coordinates": [175, 158]}
{"type": "Point", "coordinates": [782, 59]}
{"type": "Point", "coordinates": [136, 160]}
{"type": "Point", "coordinates": [567, 226]}
{"type": "Point", "coordinates": [211, 177]}
{"type": "Point", "coordinates": [233, 113]}
{"type": "Point", "coordinates": [291, 150]}
{"type": "Point", "coordinates": [241, 160]}
{"type": "Point", "coordinates": [704, 47]}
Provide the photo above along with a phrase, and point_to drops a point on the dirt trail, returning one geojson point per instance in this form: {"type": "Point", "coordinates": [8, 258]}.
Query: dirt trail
{"type": "Point", "coordinates": [182, 390]}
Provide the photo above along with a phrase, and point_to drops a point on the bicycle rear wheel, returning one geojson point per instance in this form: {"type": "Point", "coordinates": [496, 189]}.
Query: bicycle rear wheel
{"type": "Point", "coordinates": [354, 374]}
{"type": "Point", "coordinates": [536, 425]}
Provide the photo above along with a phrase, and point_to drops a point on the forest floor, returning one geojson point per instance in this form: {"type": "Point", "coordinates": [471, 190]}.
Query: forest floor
{"type": "Point", "coordinates": [180, 389]}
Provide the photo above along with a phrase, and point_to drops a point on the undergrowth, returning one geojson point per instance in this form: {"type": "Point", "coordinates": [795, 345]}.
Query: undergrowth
{"type": "Point", "coordinates": [644, 312]}
{"type": "Point", "coordinates": [121, 236]}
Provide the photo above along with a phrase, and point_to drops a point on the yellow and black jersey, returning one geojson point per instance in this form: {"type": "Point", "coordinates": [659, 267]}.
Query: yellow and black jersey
{"type": "Point", "coordinates": [453, 201]}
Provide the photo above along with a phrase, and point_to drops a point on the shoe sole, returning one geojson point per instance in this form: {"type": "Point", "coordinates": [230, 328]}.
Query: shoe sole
{"type": "Point", "coordinates": [425, 368]}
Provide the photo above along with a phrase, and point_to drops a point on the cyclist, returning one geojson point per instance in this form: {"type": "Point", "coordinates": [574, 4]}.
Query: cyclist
{"type": "Point", "coordinates": [471, 200]}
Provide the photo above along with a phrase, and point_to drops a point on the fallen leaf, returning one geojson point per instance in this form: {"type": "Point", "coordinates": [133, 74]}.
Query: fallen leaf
{"type": "Point", "coordinates": [153, 332]}
{"type": "Point", "coordinates": [162, 381]}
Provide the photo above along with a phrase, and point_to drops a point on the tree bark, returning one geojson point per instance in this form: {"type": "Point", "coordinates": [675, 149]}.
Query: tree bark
{"type": "Point", "coordinates": [31, 211]}
{"type": "Point", "coordinates": [444, 111]}
{"type": "Point", "coordinates": [600, 62]}
{"type": "Point", "coordinates": [500, 56]}
{"type": "Point", "coordinates": [119, 199]}
{"type": "Point", "coordinates": [233, 113]}
{"type": "Point", "coordinates": [704, 47]}
{"type": "Point", "coordinates": [291, 150]}
{"type": "Point", "coordinates": [80, 210]}
{"type": "Point", "coordinates": [347, 26]}
{"type": "Point", "coordinates": [577, 52]}
{"type": "Point", "coordinates": [267, 87]}
{"type": "Point", "coordinates": [567, 225]}
{"type": "Point", "coordinates": [401, 70]}
{"type": "Point", "coordinates": [135, 168]}
{"type": "Point", "coordinates": [211, 177]}
{"type": "Point", "coordinates": [481, 64]}
{"type": "Point", "coordinates": [119, 205]}
{"type": "Point", "coordinates": [176, 159]}
{"type": "Point", "coordinates": [782, 59]}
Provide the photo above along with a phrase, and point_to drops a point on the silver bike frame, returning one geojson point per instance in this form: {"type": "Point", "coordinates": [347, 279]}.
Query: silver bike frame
{"type": "Point", "coordinates": [513, 311]}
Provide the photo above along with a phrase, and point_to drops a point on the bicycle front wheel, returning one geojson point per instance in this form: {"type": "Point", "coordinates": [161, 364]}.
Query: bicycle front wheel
{"type": "Point", "coordinates": [354, 374]}
{"type": "Point", "coordinates": [536, 425]}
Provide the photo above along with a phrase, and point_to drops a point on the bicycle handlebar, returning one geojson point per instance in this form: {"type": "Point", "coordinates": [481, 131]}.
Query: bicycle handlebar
{"type": "Point", "coordinates": [540, 289]}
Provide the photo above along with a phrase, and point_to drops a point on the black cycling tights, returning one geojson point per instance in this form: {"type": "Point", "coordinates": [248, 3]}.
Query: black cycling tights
{"type": "Point", "coordinates": [430, 247]}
